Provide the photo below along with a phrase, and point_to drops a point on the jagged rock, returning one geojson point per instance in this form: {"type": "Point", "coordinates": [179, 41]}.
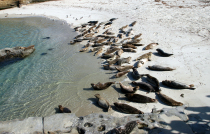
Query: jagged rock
{"type": "Point", "coordinates": [15, 52]}
{"type": "Point", "coordinates": [26, 126]}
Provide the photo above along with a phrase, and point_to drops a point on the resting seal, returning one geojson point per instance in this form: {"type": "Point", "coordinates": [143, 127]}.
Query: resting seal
{"type": "Point", "coordinates": [113, 61]}
{"type": "Point", "coordinates": [162, 53]}
{"type": "Point", "coordinates": [119, 52]}
{"type": "Point", "coordinates": [101, 86]}
{"type": "Point", "coordinates": [151, 46]}
{"type": "Point", "coordinates": [133, 23]}
{"type": "Point", "coordinates": [145, 86]}
{"type": "Point", "coordinates": [129, 46]}
{"type": "Point", "coordinates": [137, 36]}
{"type": "Point", "coordinates": [167, 100]}
{"type": "Point", "coordinates": [136, 74]}
{"type": "Point", "coordinates": [127, 108]}
{"type": "Point", "coordinates": [124, 68]}
{"type": "Point", "coordinates": [139, 98]}
{"type": "Point", "coordinates": [177, 85]}
{"type": "Point", "coordinates": [160, 68]}
{"type": "Point", "coordinates": [120, 74]}
{"type": "Point", "coordinates": [107, 56]}
{"type": "Point", "coordinates": [123, 60]}
{"type": "Point", "coordinates": [128, 89]}
{"type": "Point", "coordinates": [111, 50]}
{"type": "Point", "coordinates": [63, 109]}
{"type": "Point", "coordinates": [110, 67]}
{"type": "Point", "coordinates": [154, 81]}
{"type": "Point", "coordinates": [102, 102]}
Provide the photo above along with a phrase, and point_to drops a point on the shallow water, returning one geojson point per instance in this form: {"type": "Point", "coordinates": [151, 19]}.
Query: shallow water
{"type": "Point", "coordinates": [56, 73]}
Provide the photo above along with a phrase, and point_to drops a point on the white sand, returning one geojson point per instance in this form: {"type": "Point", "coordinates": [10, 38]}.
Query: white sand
{"type": "Point", "coordinates": [184, 31]}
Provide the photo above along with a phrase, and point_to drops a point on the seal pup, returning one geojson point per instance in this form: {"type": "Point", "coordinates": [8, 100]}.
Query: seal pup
{"type": "Point", "coordinates": [127, 129]}
{"type": "Point", "coordinates": [63, 109]}
{"type": "Point", "coordinates": [120, 74]}
{"type": "Point", "coordinates": [162, 53]}
{"type": "Point", "coordinates": [128, 89]}
{"type": "Point", "coordinates": [123, 60]}
{"type": "Point", "coordinates": [103, 102]}
{"type": "Point", "coordinates": [119, 52]}
{"type": "Point", "coordinates": [124, 68]}
{"type": "Point", "coordinates": [151, 46]}
{"type": "Point", "coordinates": [177, 85]}
{"type": "Point", "coordinates": [139, 98]}
{"type": "Point", "coordinates": [132, 24]}
{"type": "Point", "coordinates": [129, 50]}
{"type": "Point", "coordinates": [167, 100]}
{"type": "Point", "coordinates": [145, 86]}
{"type": "Point", "coordinates": [127, 108]}
{"type": "Point", "coordinates": [101, 86]}
{"type": "Point", "coordinates": [154, 81]}
{"type": "Point", "coordinates": [136, 74]}
{"type": "Point", "coordinates": [160, 68]}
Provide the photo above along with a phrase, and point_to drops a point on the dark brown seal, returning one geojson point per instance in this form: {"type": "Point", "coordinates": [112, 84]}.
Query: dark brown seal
{"type": "Point", "coordinates": [128, 89]}
{"type": "Point", "coordinates": [167, 100]}
{"type": "Point", "coordinates": [139, 98]}
{"type": "Point", "coordinates": [136, 74]}
{"type": "Point", "coordinates": [160, 68]}
{"type": "Point", "coordinates": [120, 74]}
{"type": "Point", "coordinates": [127, 108]}
{"type": "Point", "coordinates": [154, 81]}
{"type": "Point", "coordinates": [103, 102]}
{"type": "Point", "coordinates": [101, 86]}
{"type": "Point", "coordinates": [162, 53]}
{"type": "Point", "coordinates": [145, 86]}
{"type": "Point", "coordinates": [177, 85]}
{"type": "Point", "coordinates": [63, 109]}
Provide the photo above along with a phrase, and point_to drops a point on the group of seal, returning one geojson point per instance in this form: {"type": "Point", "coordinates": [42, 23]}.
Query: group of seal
{"type": "Point", "coordinates": [107, 46]}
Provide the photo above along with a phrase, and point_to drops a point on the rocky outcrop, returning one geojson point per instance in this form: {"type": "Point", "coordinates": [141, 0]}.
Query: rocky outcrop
{"type": "Point", "coordinates": [15, 52]}
{"type": "Point", "coordinates": [91, 124]}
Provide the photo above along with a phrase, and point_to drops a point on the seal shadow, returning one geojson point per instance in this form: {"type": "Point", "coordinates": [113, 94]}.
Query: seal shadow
{"type": "Point", "coordinates": [57, 110]}
{"type": "Point", "coordinates": [50, 49]}
{"type": "Point", "coordinates": [42, 54]}
{"type": "Point", "coordinates": [46, 38]}
{"type": "Point", "coordinates": [117, 89]}
{"type": "Point", "coordinates": [91, 88]}
{"type": "Point", "coordinates": [208, 96]}
{"type": "Point", "coordinates": [94, 102]}
{"type": "Point", "coordinates": [113, 77]}
{"type": "Point", "coordinates": [156, 54]}
{"type": "Point", "coordinates": [10, 61]}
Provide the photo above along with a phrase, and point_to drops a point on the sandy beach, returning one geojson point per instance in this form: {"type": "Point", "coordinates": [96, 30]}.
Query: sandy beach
{"type": "Point", "coordinates": [179, 27]}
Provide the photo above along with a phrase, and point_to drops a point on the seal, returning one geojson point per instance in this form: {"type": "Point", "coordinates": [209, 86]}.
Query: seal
{"type": "Point", "coordinates": [127, 108]}
{"type": "Point", "coordinates": [119, 52]}
{"type": "Point", "coordinates": [160, 68]}
{"type": "Point", "coordinates": [120, 74]}
{"type": "Point", "coordinates": [123, 60]}
{"type": "Point", "coordinates": [111, 50]}
{"type": "Point", "coordinates": [162, 53]}
{"type": "Point", "coordinates": [123, 27]}
{"type": "Point", "coordinates": [151, 46]}
{"type": "Point", "coordinates": [110, 67]}
{"type": "Point", "coordinates": [137, 44]}
{"type": "Point", "coordinates": [154, 81]}
{"type": "Point", "coordinates": [133, 23]}
{"type": "Point", "coordinates": [101, 86]}
{"type": "Point", "coordinates": [137, 36]}
{"type": "Point", "coordinates": [100, 40]}
{"type": "Point", "coordinates": [107, 56]}
{"type": "Point", "coordinates": [110, 62]}
{"type": "Point", "coordinates": [84, 49]}
{"type": "Point", "coordinates": [136, 74]}
{"type": "Point", "coordinates": [129, 50]}
{"type": "Point", "coordinates": [96, 48]}
{"type": "Point", "coordinates": [128, 89]}
{"type": "Point", "coordinates": [127, 129]}
{"type": "Point", "coordinates": [120, 35]}
{"type": "Point", "coordinates": [129, 46]}
{"type": "Point", "coordinates": [124, 68]}
{"type": "Point", "coordinates": [99, 52]}
{"type": "Point", "coordinates": [134, 41]}
{"type": "Point", "coordinates": [145, 86]}
{"type": "Point", "coordinates": [108, 30]}
{"type": "Point", "coordinates": [143, 59]}
{"type": "Point", "coordinates": [63, 109]}
{"type": "Point", "coordinates": [103, 102]}
{"type": "Point", "coordinates": [129, 32]}
{"type": "Point", "coordinates": [139, 98]}
{"type": "Point", "coordinates": [177, 85]}
{"type": "Point", "coordinates": [167, 100]}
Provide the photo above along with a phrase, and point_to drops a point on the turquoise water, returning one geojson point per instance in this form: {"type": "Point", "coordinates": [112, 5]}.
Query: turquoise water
{"type": "Point", "coordinates": [56, 73]}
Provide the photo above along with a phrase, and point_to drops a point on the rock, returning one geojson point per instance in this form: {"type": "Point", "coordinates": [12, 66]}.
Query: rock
{"type": "Point", "coordinates": [15, 52]}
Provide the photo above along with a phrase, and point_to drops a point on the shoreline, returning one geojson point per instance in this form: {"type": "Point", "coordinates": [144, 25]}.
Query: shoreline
{"type": "Point", "coordinates": [175, 32]}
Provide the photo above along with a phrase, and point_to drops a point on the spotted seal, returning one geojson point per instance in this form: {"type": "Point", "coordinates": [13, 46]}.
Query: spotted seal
{"type": "Point", "coordinates": [128, 89]}
{"type": "Point", "coordinates": [129, 46]}
{"type": "Point", "coordinates": [120, 74]}
{"type": "Point", "coordinates": [145, 86]}
{"type": "Point", "coordinates": [137, 36]}
{"type": "Point", "coordinates": [119, 52]}
{"type": "Point", "coordinates": [162, 53]}
{"type": "Point", "coordinates": [103, 102]}
{"type": "Point", "coordinates": [101, 86]}
{"type": "Point", "coordinates": [139, 98]}
{"type": "Point", "coordinates": [177, 85]}
{"type": "Point", "coordinates": [124, 68]}
{"type": "Point", "coordinates": [63, 109]}
{"type": "Point", "coordinates": [154, 81]}
{"type": "Point", "coordinates": [127, 108]}
{"type": "Point", "coordinates": [167, 100]}
{"type": "Point", "coordinates": [123, 60]}
{"type": "Point", "coordinates": [136, 74]}
{"type": "Point", "coordinates": [160, 68]}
